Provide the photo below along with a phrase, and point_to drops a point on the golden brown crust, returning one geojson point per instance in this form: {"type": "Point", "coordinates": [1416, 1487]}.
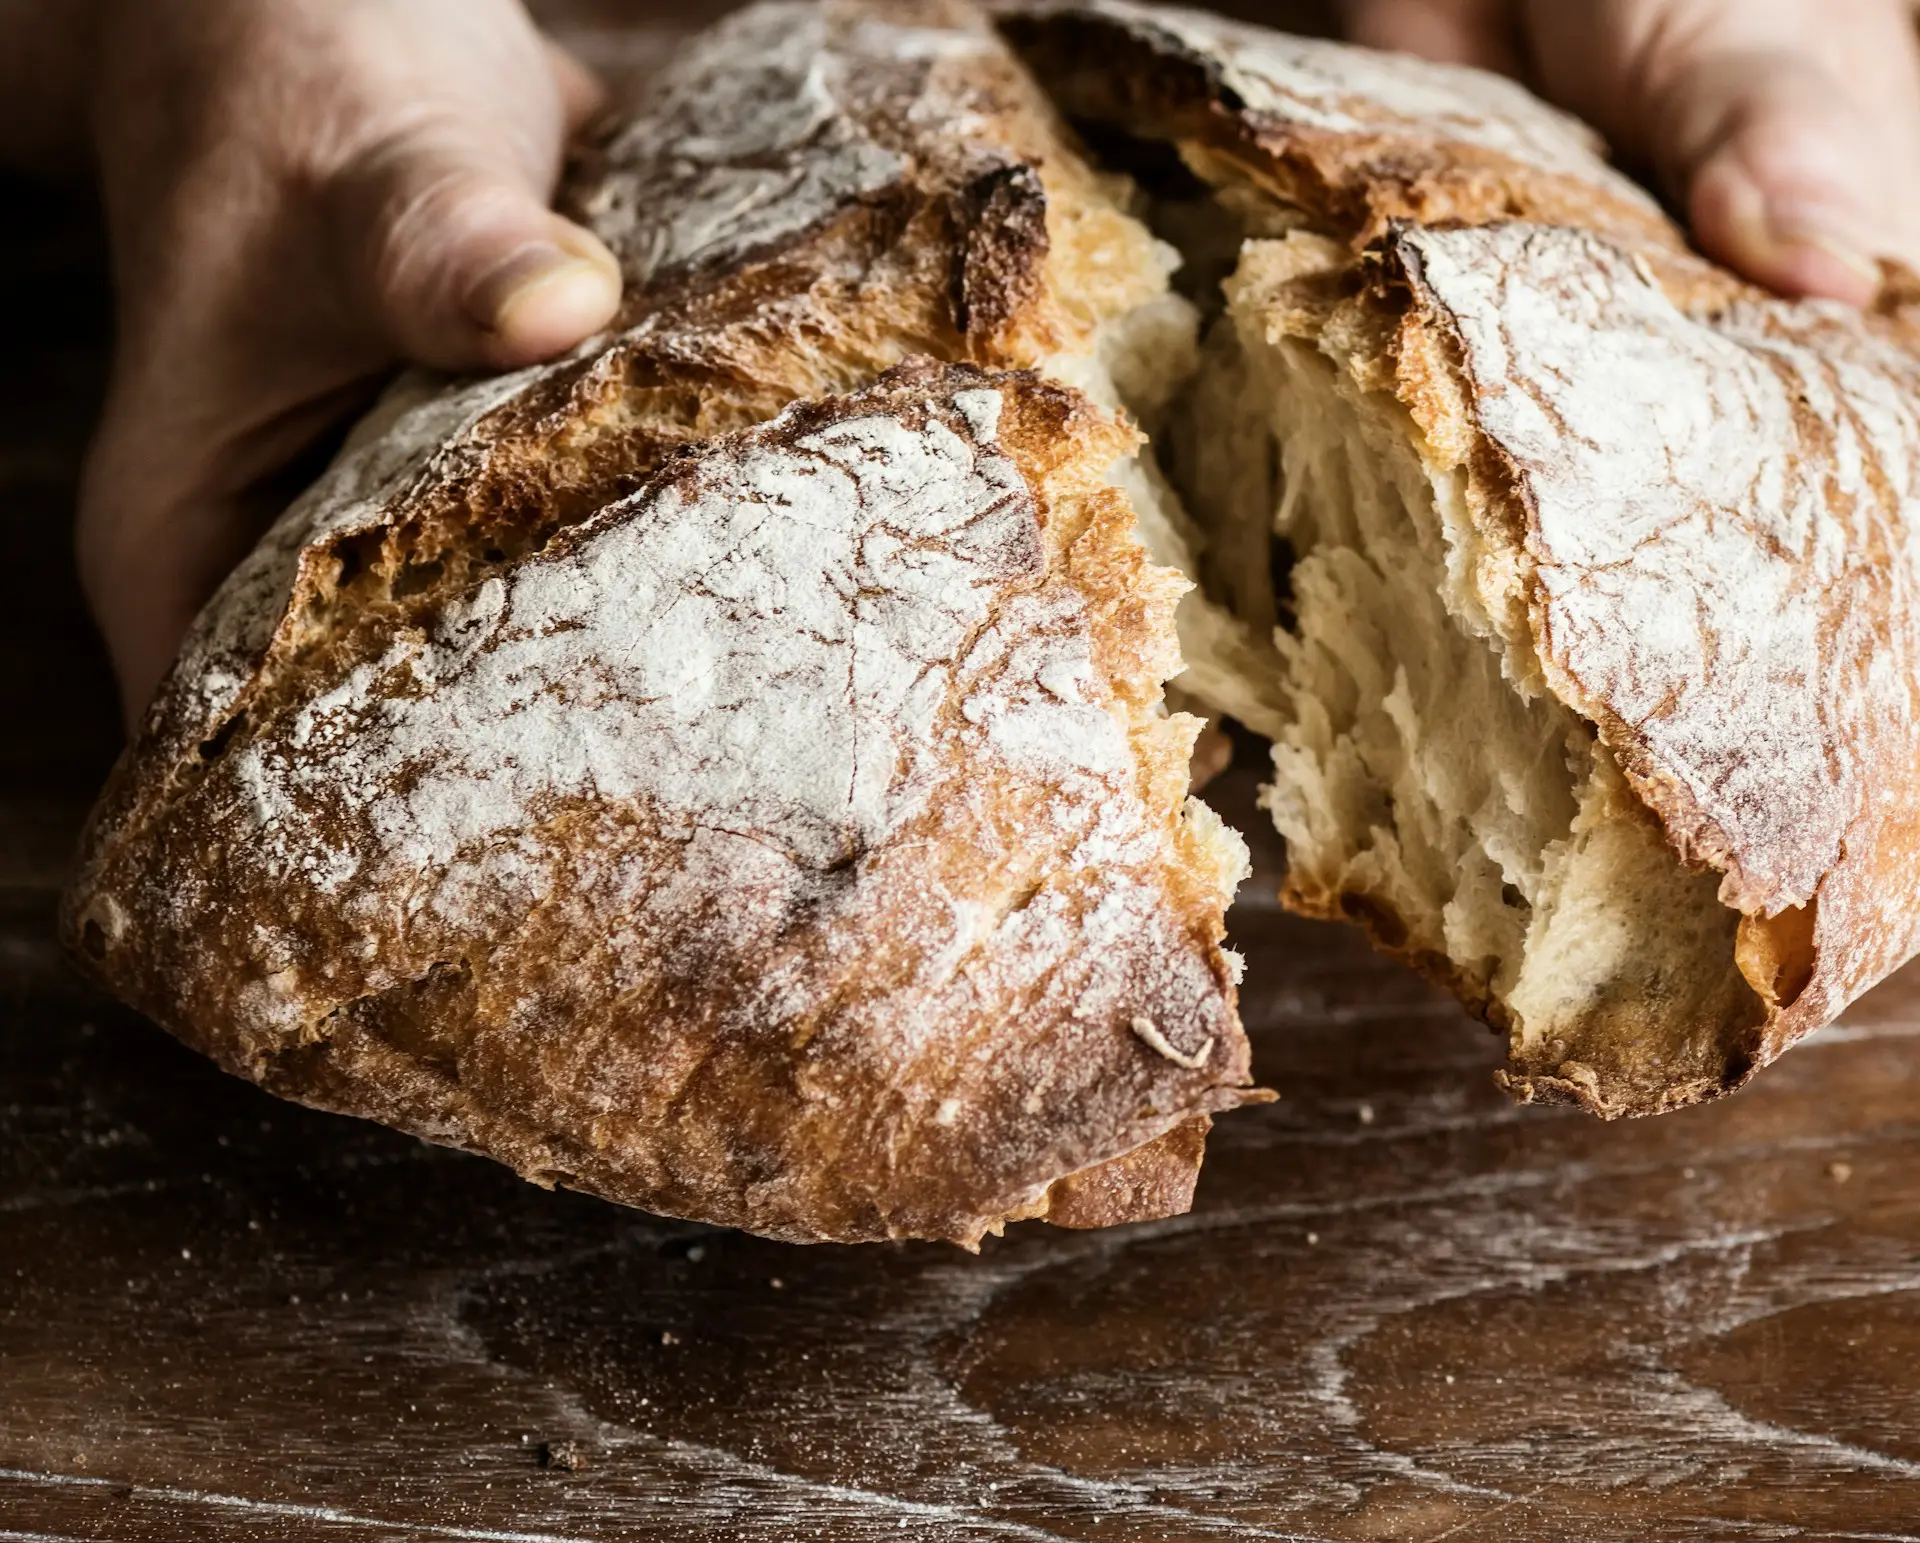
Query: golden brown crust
{"type": "Point", "coordinates": [494, 888]}
{"type": "Point", "coordinates": [827, 897]}
{"type": "Point", "coordinates": [1152, 1181]}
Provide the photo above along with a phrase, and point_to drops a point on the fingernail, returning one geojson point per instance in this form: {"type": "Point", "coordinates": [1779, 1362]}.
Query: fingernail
{"type": "Point", "coordinates": [545, 278]}
{"type": "Point", "coordinates": [1791, 231]}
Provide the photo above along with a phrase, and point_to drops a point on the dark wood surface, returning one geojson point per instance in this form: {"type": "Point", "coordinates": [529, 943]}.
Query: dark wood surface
{"type": "Point", "coordinates": [1402, 1309]}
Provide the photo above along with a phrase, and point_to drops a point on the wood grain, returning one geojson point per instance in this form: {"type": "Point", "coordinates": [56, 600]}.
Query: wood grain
{"type": "Point", "coordinates": [1403, 1309]}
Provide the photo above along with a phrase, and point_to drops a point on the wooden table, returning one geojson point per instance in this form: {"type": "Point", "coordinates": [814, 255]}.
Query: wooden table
{"type": "Point", "coordinates": [1402, 1309]}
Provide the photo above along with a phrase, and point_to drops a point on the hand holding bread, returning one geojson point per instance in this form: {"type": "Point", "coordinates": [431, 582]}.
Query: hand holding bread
{"type": "Point", "coordinates": [300, 195]}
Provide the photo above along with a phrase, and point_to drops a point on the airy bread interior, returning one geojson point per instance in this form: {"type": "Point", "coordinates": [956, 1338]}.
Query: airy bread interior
{"type": "Point", "coordinates": [1351, 607]}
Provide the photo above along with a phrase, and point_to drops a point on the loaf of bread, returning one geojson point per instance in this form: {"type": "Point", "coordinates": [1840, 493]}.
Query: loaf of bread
{"type": "Point", "coordinates": [1590, 573]}
{"type": "Point", "coordinates": [724, 771]}
{"type": "Point", "coordinates": [727, 770]}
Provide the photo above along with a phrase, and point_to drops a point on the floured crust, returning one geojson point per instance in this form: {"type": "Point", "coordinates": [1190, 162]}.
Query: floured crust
{"type": "Point", "coordinates": [791, 844]}
{"type": "Point", "coordinates": [771, 825]}
{"type": "Point", "coordinates": [863, 243]}
{"type": "Point", "coordinates": [1689, 500]}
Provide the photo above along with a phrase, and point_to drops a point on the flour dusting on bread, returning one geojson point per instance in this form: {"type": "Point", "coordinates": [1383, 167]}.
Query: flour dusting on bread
{"type": "Point", "coordinates": [759, 644]}
{"type": "Point", "coordinates": [728, 162]}
{"type": "Point", "coordinates": [725, 770]}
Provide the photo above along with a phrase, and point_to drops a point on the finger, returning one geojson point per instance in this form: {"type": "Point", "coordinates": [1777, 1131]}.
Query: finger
{"type": "Point", "coordinates": [171, 499]}
{"type": "Point", "coordinates": [1782, 179]}
{"type": "Point", "coordinates": [583, 97]}
{"type": "Point", "coordinates": [1789, 130]}
{"type": "Point", "coordinates": [1477, 32]}
{"type": "Point", "coordinates": [461, 260]}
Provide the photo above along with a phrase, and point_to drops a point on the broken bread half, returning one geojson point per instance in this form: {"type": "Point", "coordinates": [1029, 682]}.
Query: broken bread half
{"type": "Point", "coordinates": [724, 770]}
{"type": "Point", "coordinates": [793, 843]}
{"type": "Point", "coordinates": [1584, 577]}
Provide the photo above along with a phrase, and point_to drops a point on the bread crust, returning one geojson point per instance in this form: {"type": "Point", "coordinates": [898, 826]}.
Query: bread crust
{"type": "Point", "coordinates": [540, 786]}
{"type": "Point", "coordinates": [1352, 138]}
{"type": "Point", "coordinates": [865, 900]}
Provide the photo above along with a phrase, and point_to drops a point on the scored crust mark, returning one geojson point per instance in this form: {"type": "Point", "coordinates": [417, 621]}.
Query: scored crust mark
{"type": "Point", "coordinates": [1003, 217]}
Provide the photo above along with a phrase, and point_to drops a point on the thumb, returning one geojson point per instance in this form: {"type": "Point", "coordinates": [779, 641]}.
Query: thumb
{"type": "Point", "coordinates": [1783, 176]}
{"type": "Point", "coordinates": [1789, 131]}
{"type": "Point", "coordinates": [456, 255]}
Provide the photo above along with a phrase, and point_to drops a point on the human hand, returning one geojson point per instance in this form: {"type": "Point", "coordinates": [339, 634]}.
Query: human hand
{"type": "Point", "coordinates": [1788, 130]}
{"type": "Point", "coordinates": [299, 194]}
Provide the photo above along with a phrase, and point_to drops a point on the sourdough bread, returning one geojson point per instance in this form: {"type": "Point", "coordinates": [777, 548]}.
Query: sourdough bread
{"type": "Point", "coordinates": [724, 770]}
{"type": "Point", "coordinates": [727, 770]}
